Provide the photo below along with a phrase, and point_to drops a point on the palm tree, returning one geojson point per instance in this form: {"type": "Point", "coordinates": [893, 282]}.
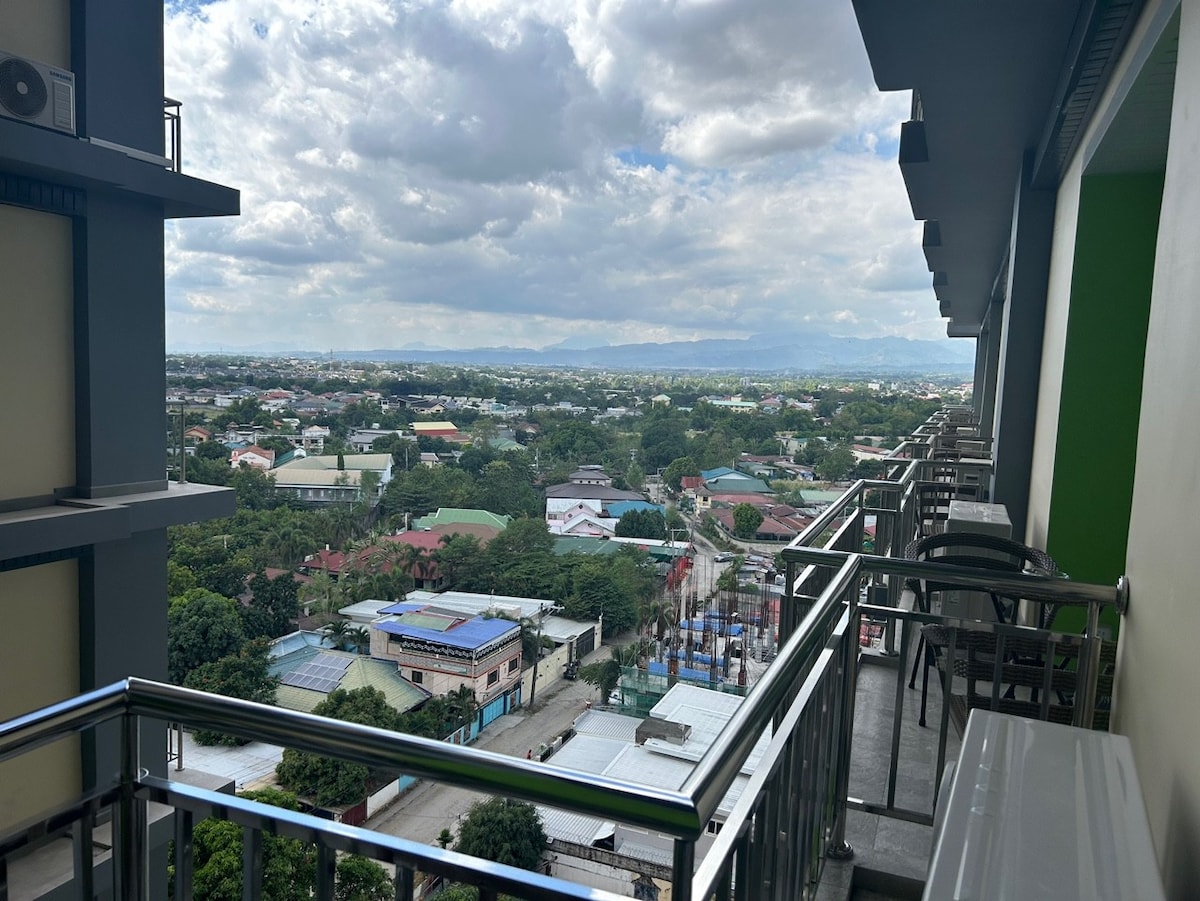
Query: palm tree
{"type": "Point", "coordinates": [361, 636]}
{"type": "Point", "coordinates": [411, 559]}
{"type": "Point", "coordinates": [463, 705]}
{"type": "Point", "coordinates": [337, 632]}
{"type": "Point", "coordinates": [318, 591]}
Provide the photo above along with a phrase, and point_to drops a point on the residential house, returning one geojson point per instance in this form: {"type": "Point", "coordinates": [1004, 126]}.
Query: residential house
{"type": "Point", "coordinates": [333, 479]}
{"type": "Point", "coordinates": [738, 483]}
{"type": "Point", "coordinates": [449, 516]}
{"type": "Point", "coordinates": [362, 439]}
{"type": "Point", "coordinates": [441, 650]}
{"type": "Point", "coordinates": [590, 475]}
{"type": "Point", "coordinates": [308, 673]}
{"type": "Point", "coordinates": [440, 429]}
{"type": "Point", "coordinates": [197, 434]}
{"type": "Point", "coordinates": [586, 498]}
{"type": "Point", "coordinates": [253, 456]}
{"type": "Point", "coordinates": [313, 437]}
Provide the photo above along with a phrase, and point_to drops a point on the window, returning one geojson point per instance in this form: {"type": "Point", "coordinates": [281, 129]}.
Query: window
{"type": "Point", "coordinates": [493, 677]}
{"type": "Point", "coordinates": [417, 676]}
{"type": "Point", "coordinates": [512, 664]}
{"type": "Point", "coordinates": [714, 828]}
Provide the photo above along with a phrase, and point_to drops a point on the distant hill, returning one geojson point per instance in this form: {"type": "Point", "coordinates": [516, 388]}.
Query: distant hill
{"type": "Point", "coordinates": [761, 353]}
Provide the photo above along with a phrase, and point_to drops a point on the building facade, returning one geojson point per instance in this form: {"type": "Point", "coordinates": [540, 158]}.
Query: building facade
{"type": "Point", "coordinates": [83, 521]}
{"type": "Point", "coordinates": [1051, 155]}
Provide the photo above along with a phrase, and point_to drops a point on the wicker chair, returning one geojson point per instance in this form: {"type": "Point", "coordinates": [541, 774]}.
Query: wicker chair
{"type": "Point", "coordinates": [978, 551]}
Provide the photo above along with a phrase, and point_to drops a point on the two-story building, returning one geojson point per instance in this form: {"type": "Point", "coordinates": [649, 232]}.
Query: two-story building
{"type": "Point", "coordinates": [443, 650]}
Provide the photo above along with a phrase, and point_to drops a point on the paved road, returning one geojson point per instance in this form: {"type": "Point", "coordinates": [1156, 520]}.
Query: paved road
{"type": "Point", "coordinates": [430, 807]}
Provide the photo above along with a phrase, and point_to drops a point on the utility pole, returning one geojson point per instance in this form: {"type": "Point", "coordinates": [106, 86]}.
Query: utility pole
{"type": "Point", "coordinates": [537, 656]}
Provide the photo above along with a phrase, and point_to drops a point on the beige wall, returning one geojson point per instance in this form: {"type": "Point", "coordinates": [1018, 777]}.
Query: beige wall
{"type": "Point", "coordinates": [1159, 670]}
{"type": "Point", "coordinates": [550, 670]}
{"type": "Point", "coordinates": [46, 666]}
{"type": "Point", "coordinates": [438, 681]}
{"type": "Point", "coordinates": [1054, 342]}
{"type": "Point", "coordinates": [37, 351]}
{"type": "Point", "coordinates": [37, 29]}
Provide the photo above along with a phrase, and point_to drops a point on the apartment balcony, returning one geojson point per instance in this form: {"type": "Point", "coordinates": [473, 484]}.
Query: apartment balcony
{"type": "Point", "coordinates": [843, 799]}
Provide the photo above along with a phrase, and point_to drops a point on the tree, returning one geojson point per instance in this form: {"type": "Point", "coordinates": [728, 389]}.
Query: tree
{"type": "Point", "coordinates": [642, 524]}
{"type": "Point", "coordinates": [506, 489]}
{"type": "Point", "coordinates": [838, 464]}
{"type": "Point", "coordinates": [360, 637]}
{"type": "Point", "coordinates": [337, 633]}
{"type": "Point", "coordinates": [462, 564]}
{"type": "Point", "coordinates": [361, 879]}
{"type": "Point", "coordinates": [503, 830]}
{"type": "Point", "coordinates": [332, 782]}
{"type": "Point", "coordinates": [605, 675]}
{"type": "Point", "coordinates": [521, 537]}
{"type": "Point", "coordinates": [323, 592]}
{"type": "Point", "coordinates": [202, 627]}
{"type": "Point", "coordinates": [242, 675]}
{"type": "Point", "coordinates": [289, 865]}
{"type": "Point", "coordinates": [746, 520]}
{"type": "Point", "coordinates": [255, 488]}
{"type": "Point", "coordinates": [678, 468]}
{"type": "Point", "coordinates": [595, 592]}
{"type": "Point", "coordinates": [274, 605]}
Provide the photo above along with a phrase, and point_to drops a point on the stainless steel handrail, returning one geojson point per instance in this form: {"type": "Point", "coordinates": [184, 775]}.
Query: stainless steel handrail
{"type": "Point", "coordinates": [672, 812]}
{"type": "Point", "coordinates": [1026, 585]}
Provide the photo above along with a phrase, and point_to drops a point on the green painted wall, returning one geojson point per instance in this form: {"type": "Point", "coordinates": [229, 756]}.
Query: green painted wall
{"type": "Point", "coordinates": [1102, 377]}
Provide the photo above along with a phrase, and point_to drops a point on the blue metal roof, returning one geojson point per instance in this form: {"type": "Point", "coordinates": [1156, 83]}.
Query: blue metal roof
{"type": "Point", "coordinates": [403, 607]}
{"type": "Point", "coordinates": [471, 635]}
{"type": "Point", "coordinates": [691, 675]}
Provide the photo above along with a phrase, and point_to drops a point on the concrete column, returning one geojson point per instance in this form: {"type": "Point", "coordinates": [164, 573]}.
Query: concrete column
{"type": "Point", "coordinates": [1020, 352]}
{"type": "Point", "coordinates": [989, 344]}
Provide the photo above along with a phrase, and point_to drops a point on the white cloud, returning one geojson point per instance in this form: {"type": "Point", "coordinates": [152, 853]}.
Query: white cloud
{"type": "Point", "coordinates": [481, 172]}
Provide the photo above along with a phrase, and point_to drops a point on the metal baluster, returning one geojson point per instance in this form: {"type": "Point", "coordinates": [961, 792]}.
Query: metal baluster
{"type": "Point", "coordinates": [742, 869]}
{"type": "Point", "coordinates": [1047, 679]}
{"type": "Point", "coordinates": [183, 854]}
{"type": "Point", "coordinates": [684, 862]}
{"type": "Point", "coordinates": [326, 871]}
{"type": "Point", "coordinates": [944, 726]}
{"type": "Point", "coordinates": [997, 671]}
{"type": "Point", "coordinates": [131, 872]}
{"type": "Point", "coordinates": [252, 863]}
{"type": "Point", "coordinates": [839, 848]}
{"type": "Point", "coordinates": [84, 852]}
{"type": "Point", "coordinates": [898, 713]}
{"type": "Point", "coordinates": [1088, 671]}
{"type": "Point", "coordinates": [404, 884]}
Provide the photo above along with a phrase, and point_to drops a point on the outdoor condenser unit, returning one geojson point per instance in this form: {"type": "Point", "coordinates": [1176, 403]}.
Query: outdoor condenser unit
{"type": "Point", "coordinates": [37, 93]}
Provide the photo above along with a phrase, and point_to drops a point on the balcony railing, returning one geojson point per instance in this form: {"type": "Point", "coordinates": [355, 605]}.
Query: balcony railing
{"type": "Point", "coordinates": [772, 845]}
{"type": "Point", "coordinates": [173, 120]}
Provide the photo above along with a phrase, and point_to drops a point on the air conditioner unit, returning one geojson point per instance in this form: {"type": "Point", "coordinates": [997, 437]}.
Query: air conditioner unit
{"type": "Point", "coordinates": [37, 93]}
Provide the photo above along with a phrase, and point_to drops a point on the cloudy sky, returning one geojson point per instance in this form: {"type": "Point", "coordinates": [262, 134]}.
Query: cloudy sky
{"type": "Point", "coordinates": [472, 173]}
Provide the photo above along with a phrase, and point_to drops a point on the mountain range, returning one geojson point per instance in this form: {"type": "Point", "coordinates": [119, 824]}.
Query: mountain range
{"type": "Point", "coordinates": [815, 353]}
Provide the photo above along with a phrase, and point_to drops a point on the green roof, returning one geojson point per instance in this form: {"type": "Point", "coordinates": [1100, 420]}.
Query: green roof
{"type": "Point", "coordinates": [452, 515]}
{"type": "Point", "coordinates": [363, 672]}
{"type": "Point", "coordinates": [591, 546]}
